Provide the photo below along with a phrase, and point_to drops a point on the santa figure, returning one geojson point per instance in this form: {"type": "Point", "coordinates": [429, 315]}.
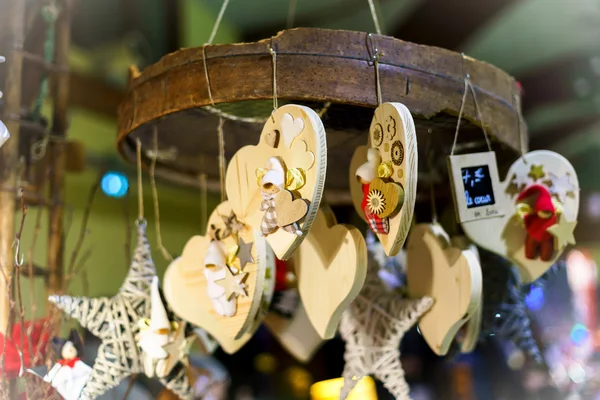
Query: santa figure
{"type": "Point", "coordinates": [215, 269]}
{"type": "Point", "coordinates": [538, 212]}
{"type": "Point", "coordinates": [155, 334]}
{"type": "Point", "coordinates": [365, 174]}
{"type": "Point", "coordinates": [69, 375]}
{"type": "Point", "coordinates": [271, 183]}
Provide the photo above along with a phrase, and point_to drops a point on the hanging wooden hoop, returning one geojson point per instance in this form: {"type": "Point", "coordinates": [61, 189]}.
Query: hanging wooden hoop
{"type": "Point", "coordinates": [314, 67]}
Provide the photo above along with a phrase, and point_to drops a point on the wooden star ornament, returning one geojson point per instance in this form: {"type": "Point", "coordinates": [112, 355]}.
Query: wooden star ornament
{"type": "Point", "coordinates": [561, 187]}
{"type": "Point", "coordinates": [110, 319]}
{"type": "Point", "coordinates": [537, 172]}
{"type": "Point", "coordinates": [245, 253]}
{"type": "Point", "coordinates": [563, 232]}
{"type": "Point", "coordinates": [233, 284]}
{"type": "Point", "coordinates": [373, 327]}
{"type": "Point", "coordinates": [179, 348]}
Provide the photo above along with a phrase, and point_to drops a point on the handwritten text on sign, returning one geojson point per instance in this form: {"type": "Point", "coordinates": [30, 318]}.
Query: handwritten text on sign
{"type": "Point", "coordinates": [478, 187]}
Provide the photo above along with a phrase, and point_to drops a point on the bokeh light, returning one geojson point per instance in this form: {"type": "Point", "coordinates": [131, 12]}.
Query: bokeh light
{"type": "Point", "coordinates": [115, 184]}
{"type": "Point", "coordinates": [535, 299]}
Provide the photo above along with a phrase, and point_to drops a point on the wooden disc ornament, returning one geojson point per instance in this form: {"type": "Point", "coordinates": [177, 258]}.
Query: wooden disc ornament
{"type": "Point", "coordinates": [539, 203]}
{"type": "Point", "coordinates": [223, 281]}
{"type": "Point", "coordinates": [449, 275]}
{"type": "Point", "coordinates": [383, 176]}
{"type": "Point", "coordinates": [331, 266]}
{"type": "Point", "coordinates": [276, 186]}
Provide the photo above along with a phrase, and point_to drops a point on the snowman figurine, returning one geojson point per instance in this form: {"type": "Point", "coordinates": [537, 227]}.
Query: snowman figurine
{"type": "Point", "coordinates": [69, 375]}
{"type": "Point", "coordinates": [154, 334]}
{"type": "Point", "coordinates": [215, 265]}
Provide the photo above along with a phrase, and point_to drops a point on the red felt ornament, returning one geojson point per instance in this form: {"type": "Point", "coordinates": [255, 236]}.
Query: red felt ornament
{"type": "Point", "coordinates": [377, 224]}
{"type": "Point", "coordinates": [39, 343]}
{"type": "Point", "coordinates": [539, 213]}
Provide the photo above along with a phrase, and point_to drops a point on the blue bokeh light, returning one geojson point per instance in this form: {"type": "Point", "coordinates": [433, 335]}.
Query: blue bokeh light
{"type": "Point", "coordinates": [115, 184]}
{"type": "Point", "coordinates": [579, 334]}
{"type": "Point", "coordinates": [535, 299]}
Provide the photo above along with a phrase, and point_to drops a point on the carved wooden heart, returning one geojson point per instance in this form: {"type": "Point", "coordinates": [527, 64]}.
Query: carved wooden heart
{"type": "Point", "coordinates": [392, 196]}
{"type": "Point", "coordinates": [331, 267]}
{"type": "Point", "coordinates": [307, 151]}
{"type": "Point", "coordinates": [186, 285]}
{"type": "Point", "coordinates": [393, 133]}
{"type": "Point", "coordinates": [451, 276]}
{"type": "Point", "coordinates": [506, 235]}
{"type": "Point", "coordinates": [288, 209]}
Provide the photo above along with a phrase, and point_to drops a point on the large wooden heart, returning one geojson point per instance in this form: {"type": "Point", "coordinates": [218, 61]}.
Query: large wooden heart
{"type": "Point", "coordinates": [393, 133]}
{"type": "Point", "coordinates": [296, 135]}
{"type": "Point", "coordinates": [185, 285]}
{"type": "Point", "coordinates": [506, 235]}
{"type": "Point", "coordinates": [331, 267]}
{"type": "Point", "coordinates": [295, 334]}
{"type": "Point", "coordinates": [451, 276]}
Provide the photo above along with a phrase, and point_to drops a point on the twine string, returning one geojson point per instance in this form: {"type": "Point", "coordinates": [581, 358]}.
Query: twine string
{"type": "Point", "coordinates": [206, 75]}
{"type": "Point", "coordinates": [139, 181]}
{"type": "Point", "coordinates": [215, 28]}
{"type": "Point", "coordinates": [469, 86]}
{"type": "Point", "coordinates": [221, 158]}
{"type": "Point", "coordinates": [375, 17]}
{"type": "Point", "coordinates": [517, 98]}
{"type": "Point", "coordinates": [162, 248]}
{"type": "Point", "coordinates": [375, 55]}
{"type": "Point", "coordinates": [203, 201]}
{"type": "Point", "coordinates": [274, 58]}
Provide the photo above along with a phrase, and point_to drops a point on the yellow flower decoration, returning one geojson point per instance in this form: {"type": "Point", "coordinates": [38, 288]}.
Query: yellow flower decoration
{"type": "Point", "coordinates": [295, 178]}
{"type": "Point", "coordinates": [375, 201]}
{"type": "Point", "coordinates": [385, 169]}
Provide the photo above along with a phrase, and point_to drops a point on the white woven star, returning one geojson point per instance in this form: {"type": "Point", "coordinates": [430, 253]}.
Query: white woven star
{"type": "Point", "coordinates": [114, 321]}
{"type": "Point", "coordinates": [373, 327]}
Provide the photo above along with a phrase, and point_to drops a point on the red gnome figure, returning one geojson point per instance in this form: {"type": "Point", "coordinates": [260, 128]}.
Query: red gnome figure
{"type": "Point", "coordinates": [365, 174]}
{"type": "Point", "coordinates": [538, 211]}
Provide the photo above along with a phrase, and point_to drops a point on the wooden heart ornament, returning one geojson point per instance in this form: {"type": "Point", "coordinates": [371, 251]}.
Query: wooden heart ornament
{"type": "Point", "coordinates": [291, 156]}
{"type": "Point", "coordinates": [541, 193]}
{"type": "Point", "coordinates": [451, 276]}
{"type": "Point", "coordinates": [223, 282]}
{"type": "Point", "coordinates": [384, 174]}
{"type": "Point", "coordinates": [331, 267]}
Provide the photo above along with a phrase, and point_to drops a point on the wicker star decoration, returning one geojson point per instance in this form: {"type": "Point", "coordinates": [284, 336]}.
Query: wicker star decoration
{"type": "Point", "coordinates": [373, 327]}
{"type": "Point", "coordinates": [113, 320]}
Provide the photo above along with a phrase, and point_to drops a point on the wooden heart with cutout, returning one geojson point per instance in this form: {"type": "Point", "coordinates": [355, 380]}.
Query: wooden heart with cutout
{"type": "Point", "coordinates": [300, 150]}
{"type": "Point", "coordinates": [331, 267]}
{"type": "Point", "coordinates": [289, 210]}
{"type": "Point", "coordinates": [199, 290]}
{"type": "Point", "coordinates": [393, 136]}
{"type": "Point", "coordinates": [451, 276]}
{"type": "Point", "coordinates": [538, 181]}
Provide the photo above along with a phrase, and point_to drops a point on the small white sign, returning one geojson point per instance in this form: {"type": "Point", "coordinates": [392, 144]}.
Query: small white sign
{"type": "Point", "coordinates": [476, 186]}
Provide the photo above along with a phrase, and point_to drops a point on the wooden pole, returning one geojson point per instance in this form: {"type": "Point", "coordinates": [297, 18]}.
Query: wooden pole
{"type": "Point", "coordinates": [56, 148]}
{"type": "Point", "coordinates": [9, 155]}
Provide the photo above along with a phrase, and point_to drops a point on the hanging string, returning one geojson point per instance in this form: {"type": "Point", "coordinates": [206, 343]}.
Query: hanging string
{"type": "Point", "coordinates": [217, 22]}
{"type": "Point", "coordinates": [517, 98]}
{"type": "Point", "coordinates": [291, 14]}
{"type": "Point", "coordinates": [434, 215]}
{"type": "Point", "coordinates": [374, 16]}
{"type": "Point", "coordinates": [203, 202]}
{"type": "Point", "coordinates": [469, 86]}
{"type": "Point", "coordinates": [375, 55]}
{"type": "Point", "coordinates": [139, 181]}
{"type": "Point", "coordinates": [206, 75]}
{"type": "Point", "coordinates": [221, 159]}
{"type": "Point", "coordinates": [162, 248]}
{"type": "Point", "coordinates": [274, 58]}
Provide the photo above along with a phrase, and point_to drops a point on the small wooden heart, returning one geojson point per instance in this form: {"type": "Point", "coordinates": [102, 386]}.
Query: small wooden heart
{"type": "Point", "coordinates": [390, 197]}
{"type": "Point", "coordinates": [290, 128]}
{"type": "Point", "coordinates": [289, 210]}
{"type": "Point", "coordinates": [272, 138]}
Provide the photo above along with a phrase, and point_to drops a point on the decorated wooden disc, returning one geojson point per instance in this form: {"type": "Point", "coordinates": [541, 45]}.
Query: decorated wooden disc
{"type": "Point", "coordinates": [391, 156]}
{"type": "Point", "coordinates": [219, 282]}
{"type": "Point", "coordinates": [291, 157]}
{"type": "Point", "coordinates": [541, 192]}
{"type": "Point", "coordinates": [331, 267]}
{"type": "Point", "coordinates": [451, 276]}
